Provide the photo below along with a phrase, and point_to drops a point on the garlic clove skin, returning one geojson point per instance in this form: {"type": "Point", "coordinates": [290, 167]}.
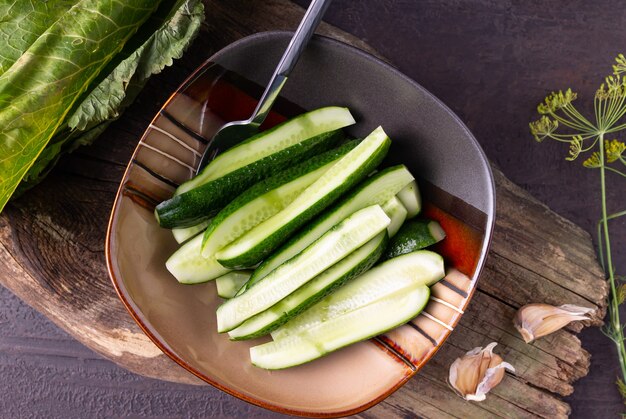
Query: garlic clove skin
{"type": "Point", "coordinates": [536, 320]}
{"type": "Point", "coordinates": [473, 375]}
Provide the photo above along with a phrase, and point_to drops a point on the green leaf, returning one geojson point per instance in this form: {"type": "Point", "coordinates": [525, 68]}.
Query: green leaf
{"type": "Point", "coordinates": [22, 22]}
{"type": "Point", "coordinates": [161, 39]}
{"type": "Point", "coordinates": [177, 28]}
{"type": "Point", "coordinates": [42, 85]}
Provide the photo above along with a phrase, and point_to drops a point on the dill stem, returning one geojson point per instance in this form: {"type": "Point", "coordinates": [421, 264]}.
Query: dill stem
{"type": "Point", "coordinates": [617, 332]}
{"type": "Point", "coordinates": [616, 129]}
{"type": "Point", "coordinates": [590, 147]}
{"type": "Point", "coordinates": [600, 237]}
{"type": "Point", "coordinates": [579, 117]}
{"type": "Point", "coordinates": [571, 123]}
{"type": "Point", "coordinates": [617, 172]}
{"type": "Point", "coordinates": [616, 215]}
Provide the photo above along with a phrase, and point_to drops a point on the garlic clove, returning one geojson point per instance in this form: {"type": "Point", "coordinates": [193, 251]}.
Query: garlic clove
{"type": "Point", "coordinates": [473, 375]}
{"type": "Point", "coordinates": [536, 320]}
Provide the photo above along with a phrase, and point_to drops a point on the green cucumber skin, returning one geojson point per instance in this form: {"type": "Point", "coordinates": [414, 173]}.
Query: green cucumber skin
{"type": "Point", "coordinates": [276, 181]}
{"type": "Point", "coordinates": [262, 250]}
{"type": "Point", "coordinates": [367, 262]}
{"type": "Point", "coordinates": [201, 203]}
{"type": "Point", "coordinates": [413, 235]}
{"type": "Point", "coordinates": [302, 119]}
{"type": "Point", "coordinates": [256, 276]}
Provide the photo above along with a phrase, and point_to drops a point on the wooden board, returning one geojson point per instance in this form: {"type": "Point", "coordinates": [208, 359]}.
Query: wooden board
{"type": "Point", "coordinates": [52, 256]}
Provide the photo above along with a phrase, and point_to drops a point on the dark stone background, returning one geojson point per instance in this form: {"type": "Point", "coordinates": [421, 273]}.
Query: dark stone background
{"type": "Point", "coordinates": [491, 61]}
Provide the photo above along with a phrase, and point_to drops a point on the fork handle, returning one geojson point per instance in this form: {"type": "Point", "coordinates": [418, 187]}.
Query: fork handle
{"type": "Point", "coordinates": [301, 37]}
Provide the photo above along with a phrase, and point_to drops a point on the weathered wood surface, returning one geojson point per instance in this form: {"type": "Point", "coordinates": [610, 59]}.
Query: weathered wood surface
{"type": "Point", "coordinates": [52, 256]}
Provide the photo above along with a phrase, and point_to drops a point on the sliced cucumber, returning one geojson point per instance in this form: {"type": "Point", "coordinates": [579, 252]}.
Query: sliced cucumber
{"type": "Point", "coordinates": [329, 249]}
{"type": "Point", "coordinates": [229, 284]}
{"type": "Point", "coordinates": [351, 266]}
{"type": "Point", "coordinates": [414, 235]}
{"type": "Point", "coordinates": [256, 244]}
{"type": "Point", "coordinates": [411, 199]}
{"type": "Point", "coordinates": [422, 268]}
{"type": "Point", "coordinates": [189, 267]}
{"type": "Point", "coordinates": [396, 211]}
{"type": "Point", "coordinates": [377, 189]}
{"type": "Point", "coordinates": [398, 305]}
{"type": "Point", "coordinates": [183, 234]}
{"type": "Point", "coordinates": [204, 201]}
{"type": "Point", "coordinates": [266, 198]}
{"type": "Point", "coordinates": [272, 141]}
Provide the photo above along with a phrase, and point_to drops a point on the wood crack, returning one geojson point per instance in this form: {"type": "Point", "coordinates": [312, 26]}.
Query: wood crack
{"type": "Point", "coordinates": [495, 297]}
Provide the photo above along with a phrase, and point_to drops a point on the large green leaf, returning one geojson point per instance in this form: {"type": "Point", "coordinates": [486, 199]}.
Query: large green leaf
{"type": "Point", "coordinates": [22, 22]}
{"type": "Point", "coordinates": [42, 85]}
{"type": "Point", "coordinates": [180, 24]}
{"type": "Point", "coordinates": [161, 39]}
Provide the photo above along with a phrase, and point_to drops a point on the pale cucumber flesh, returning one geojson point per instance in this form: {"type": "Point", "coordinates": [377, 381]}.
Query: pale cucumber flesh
{"type": "Point", "coordinates": [189, 267]}
{"type": "Point", "coordinates": [422, 267]}
{"type": "Point", "coordinates": [397, 213]}
{"type": "Point", "coordinates": [271, 141]}
{"type": "Point", "coordinates": [333, 246]}
{"type": "Point", "coordinates": [182, 234]}
{"type": "Point", "coordinates": [349, 267]}
{"type": "Point", "coordinates": [397, 307]}
{"type": "Point", "coordinates": [252, 247]}
{"type": "Point", "coordinates": [411, 199]}
{"type": "Point", "coordinates": [374, 191]}
{"type": "Point", "coordinates": [228, 284]}
{"type": "Point", "coordinates": [436, 232]}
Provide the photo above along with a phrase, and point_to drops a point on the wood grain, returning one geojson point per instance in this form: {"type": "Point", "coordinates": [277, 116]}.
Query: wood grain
{"type": "Point", "coordinates": [52, 256]}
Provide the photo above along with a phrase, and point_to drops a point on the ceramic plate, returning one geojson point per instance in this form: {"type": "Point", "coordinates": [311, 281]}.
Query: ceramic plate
{"type": "Point", "coordinates": [454, 177]}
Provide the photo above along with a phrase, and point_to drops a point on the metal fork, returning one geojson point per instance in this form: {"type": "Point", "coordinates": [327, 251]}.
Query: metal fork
{"type": "Point", "coordinates": [234, 132]}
